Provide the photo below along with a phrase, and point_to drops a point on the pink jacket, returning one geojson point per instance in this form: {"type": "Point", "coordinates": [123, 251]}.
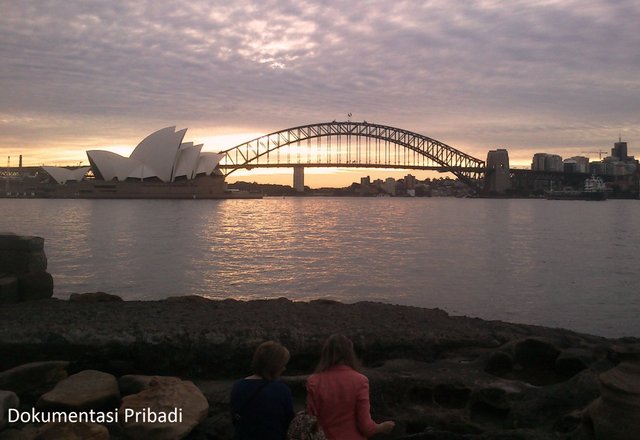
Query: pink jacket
{"type": "Point", "coordinates": [339, 397]}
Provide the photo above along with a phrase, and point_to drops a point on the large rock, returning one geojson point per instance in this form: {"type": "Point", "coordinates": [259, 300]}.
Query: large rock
{"type": "Point", "coordinates": [29, 432]}
{"type": "Point", "coordinates": [86, 390]}
{"type": "Point", "coordinates": [13, 242]}
{"type": "Point", "coordinates": [72, 431]}
{"type": "Point", "coordinates": [35, 285]}
{"type": "Point", "coordinates": [135, 383]}
{"type": "Point", "coordinates": [23, 257]}
{"type": "Point", "coordinates": [8, 399]}
{"type": "Point", "coordinates": [615, 415]}
{"type": "Point", "coordinates": [13, 261]}
{"type": "Point", "coordinates": [33, 377]}
{"type": "Point", "coordinates": [9, 289]}
{"type": "Point", "coordinates": [162, 398]}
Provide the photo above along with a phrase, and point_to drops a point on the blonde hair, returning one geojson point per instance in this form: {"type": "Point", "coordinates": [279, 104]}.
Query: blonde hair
{"type": "Point", "coordinates": [337, 350]}
{"type": "Point", "coordinates": [269, 360]}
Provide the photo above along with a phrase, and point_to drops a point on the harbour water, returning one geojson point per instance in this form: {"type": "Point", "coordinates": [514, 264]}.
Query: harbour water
{"type": "Point", "coordinates": [571, 264]}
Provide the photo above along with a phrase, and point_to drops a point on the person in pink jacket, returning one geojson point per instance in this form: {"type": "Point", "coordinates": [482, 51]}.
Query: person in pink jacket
{"type": "Point", "coordinates": [338, 395]}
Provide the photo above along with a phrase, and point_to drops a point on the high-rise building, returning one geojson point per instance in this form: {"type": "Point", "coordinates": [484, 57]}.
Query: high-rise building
{"type": "Point", "coordinates": [409, 182]}
{"type": "Point", "coordinates": [547, 162]}
{"type": "Point", "coordinates": [619, 150]}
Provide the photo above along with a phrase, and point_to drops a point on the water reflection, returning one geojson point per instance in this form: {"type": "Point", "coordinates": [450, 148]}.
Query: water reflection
{"type": "Point", "coordinates": [569, 264]}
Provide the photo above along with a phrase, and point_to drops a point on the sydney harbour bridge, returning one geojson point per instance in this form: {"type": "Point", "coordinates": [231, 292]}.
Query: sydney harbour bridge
{"type": "Point", "coordinates": [350, 144]}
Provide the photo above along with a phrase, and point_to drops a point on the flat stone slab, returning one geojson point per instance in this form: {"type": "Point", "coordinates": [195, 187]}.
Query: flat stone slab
{"type": "Point", "coordinates": [33, 376]}
{"type": "Point", "coordinates": [88, 389]}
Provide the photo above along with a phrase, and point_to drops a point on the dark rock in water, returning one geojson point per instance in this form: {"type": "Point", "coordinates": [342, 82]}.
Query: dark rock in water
{"type": "Point", "coordinates": [615, 415]}
{"type": "Point", "coordinates": [35, 285]}
{"type": "Point", "coordinates": [23, 258]}
{"type": "Point", "coordinates": [13, 242]}
{"type": "Point", "coordinates": [9, 292]}
{"type": "Point", "coordinates": [17, 262]}
{"type": "Point", "coordinates": [34, 377]}
{"type": "Point", "coordinates": [94, 297]}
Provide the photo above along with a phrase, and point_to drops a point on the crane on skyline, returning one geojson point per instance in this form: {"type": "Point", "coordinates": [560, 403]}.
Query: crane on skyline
{"type": "Point", "coordinates": [599, 153]}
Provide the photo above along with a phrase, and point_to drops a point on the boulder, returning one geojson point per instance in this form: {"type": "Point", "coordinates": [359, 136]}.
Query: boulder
{"type": "Point", "coordinates": [9, 289]}
{"type": "Point", "coordinates": [88, 389]}
{"type": "Point", "coordinates": [13, 242]}
{"type": "Point", "coordinates": [33, 377]}
{"type": "Point", "coordinates": [135, 383]}
{"type": "Point", "coordinates": [35, 285]}
{"type": "Point", "coordinates": [27, 433]}
{"type": "Point", "coordinates": [8, 399]}
{"type": "Point", "coordinates": [23, 258]}
{"type": "Point", "coordinates": [162, 398]}
{"type": "Point", "coordinates": [72, 431]}
{"type": "Point", "coordinates": [14, 261]}
{"type": "Point", "coordinates": [614, 415]}
{"type": "Point", "coordinates": [94, 297]}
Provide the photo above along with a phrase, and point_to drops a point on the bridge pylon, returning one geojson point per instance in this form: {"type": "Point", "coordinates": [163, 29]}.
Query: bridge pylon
{"type": "Point", "coordinates": [298, 178]}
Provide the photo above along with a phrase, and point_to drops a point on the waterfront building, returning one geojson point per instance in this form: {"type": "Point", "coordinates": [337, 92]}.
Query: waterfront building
{"type": "Point", "coordinates": [553, 162]}
{"type": "Point", "coordinates": [579, 164]}
{"type": "Point", "coordinates": [389, 186]}
{"type": "Point", "coordinates": [547, 162]}
{"type": "Point", "coordinates": [65, 175]}
{"type": "Point", "coordinates": [537, 164]}
{"type": "Point", "coordinates": [161, 166]}
{"type": "Point", "coordinates": [161, 156]}
{"type": "Point", "coordinates": [619, 150]}
{"type": "Point", "coordinates": [569, 166]}
{"type": "Point", "coordinates": [409, 182]}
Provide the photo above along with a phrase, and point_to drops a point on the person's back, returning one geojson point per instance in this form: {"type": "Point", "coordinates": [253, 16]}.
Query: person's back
{"type": "Point", "coordinates": [264, 408]}
{"type": "Point", "coordinates": [261, 406]}
{"type": "Point", "coordinates": [338, 395]}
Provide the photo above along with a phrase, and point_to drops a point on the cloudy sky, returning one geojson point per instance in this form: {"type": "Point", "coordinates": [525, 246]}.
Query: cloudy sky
{"type": "Point", "coordinates": [555, 76]}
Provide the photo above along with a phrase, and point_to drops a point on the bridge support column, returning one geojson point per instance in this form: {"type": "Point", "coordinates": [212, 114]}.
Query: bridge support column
{"type": "Point", "coordinates": [298, 178]}
{"type": "Point", "coordinates": [498, 179]}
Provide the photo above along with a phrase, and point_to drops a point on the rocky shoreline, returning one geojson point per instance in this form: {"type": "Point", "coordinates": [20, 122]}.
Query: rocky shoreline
{"type": "Point", "coordinates": [438, 376]}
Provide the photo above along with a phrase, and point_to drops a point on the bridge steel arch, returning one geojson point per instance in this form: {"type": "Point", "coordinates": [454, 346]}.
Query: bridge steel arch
{"type": "Point", "coordinates": [420, 152]}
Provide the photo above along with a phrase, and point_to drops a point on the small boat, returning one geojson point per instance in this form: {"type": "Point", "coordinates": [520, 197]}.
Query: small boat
{"type": "Point", "coordinates": [594, 189]}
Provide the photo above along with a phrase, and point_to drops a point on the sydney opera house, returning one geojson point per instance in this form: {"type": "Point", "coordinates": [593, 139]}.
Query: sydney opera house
{"type": "Point", "coordinates": [162, 165]}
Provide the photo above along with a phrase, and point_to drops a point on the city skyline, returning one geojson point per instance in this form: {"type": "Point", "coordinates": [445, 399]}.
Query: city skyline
{"type": "Point", "coordinates": [554, 76]}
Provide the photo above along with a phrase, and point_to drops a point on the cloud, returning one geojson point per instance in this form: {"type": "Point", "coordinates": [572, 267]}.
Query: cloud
{"type": "Point", "coordinates": [482, 73]}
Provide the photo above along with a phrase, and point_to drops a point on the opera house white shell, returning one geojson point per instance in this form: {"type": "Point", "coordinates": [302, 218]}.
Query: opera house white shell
{"type": "Point", "coordinates": [64, 175]}
{"type": "Point", "coordinates": [162, 155]}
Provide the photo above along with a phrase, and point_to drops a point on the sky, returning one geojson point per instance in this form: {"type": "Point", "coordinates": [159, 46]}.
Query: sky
{"type": "Point", "coordinates": [529, 76]}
